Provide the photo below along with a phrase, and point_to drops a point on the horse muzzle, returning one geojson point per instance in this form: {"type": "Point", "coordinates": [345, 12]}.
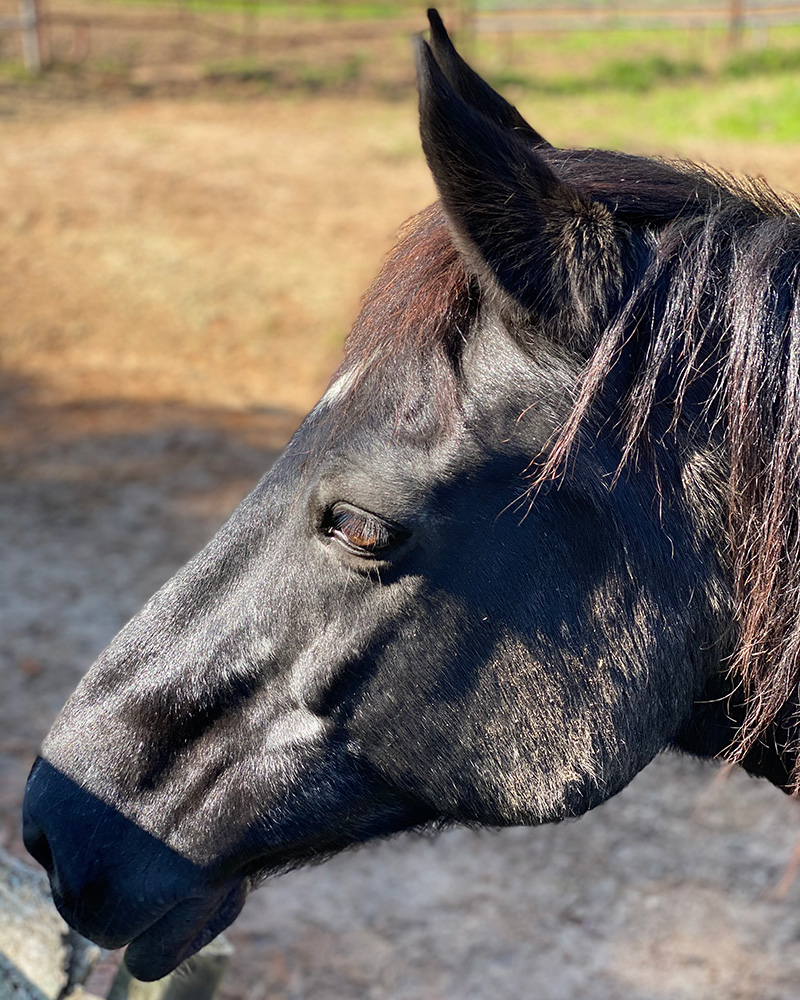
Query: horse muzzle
{"type": "Point", "coordinates": [116, 883]}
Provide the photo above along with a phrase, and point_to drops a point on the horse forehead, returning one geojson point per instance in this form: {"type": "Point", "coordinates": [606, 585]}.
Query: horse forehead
{"type": "Point", "coordinates": [379, 451]}
{"type": "Point", "coordinates": [401, 394]}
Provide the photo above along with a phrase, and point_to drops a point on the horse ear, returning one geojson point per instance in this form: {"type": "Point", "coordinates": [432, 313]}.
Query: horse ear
{"type": "Point", "coordinates": [472, 88]}
{"type": "Point", "coordinates": [518, 226]}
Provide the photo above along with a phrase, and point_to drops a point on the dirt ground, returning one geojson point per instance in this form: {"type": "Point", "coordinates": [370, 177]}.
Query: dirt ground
{"type": "Point", "coordinates": [178, 276]}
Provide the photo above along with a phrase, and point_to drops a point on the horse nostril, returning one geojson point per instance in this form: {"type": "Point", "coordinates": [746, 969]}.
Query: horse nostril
{"type": "Point", "coordinates": [38, 846]}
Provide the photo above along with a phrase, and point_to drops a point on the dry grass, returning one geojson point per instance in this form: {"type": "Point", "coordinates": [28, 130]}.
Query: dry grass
{"type": "Point", "coordinates": [213, 252]}
{"type": "Point", "coordinates": [210, 247]}
{"type": "Point", "coordinates": [196, 251]}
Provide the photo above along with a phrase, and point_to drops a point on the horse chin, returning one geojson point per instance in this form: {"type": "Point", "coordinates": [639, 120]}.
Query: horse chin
{"type": "Point", "coordinates": [181, 933]}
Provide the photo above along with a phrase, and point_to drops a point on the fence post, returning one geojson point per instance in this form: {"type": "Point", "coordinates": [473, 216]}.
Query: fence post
{"type": "Point", "coordinates": [29, 25]}
{"type": "Point", "coordinates": [735, 22]}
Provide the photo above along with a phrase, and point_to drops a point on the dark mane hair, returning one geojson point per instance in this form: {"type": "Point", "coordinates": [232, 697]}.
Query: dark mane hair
{"type": "Point", "coordinates": [711, 338]}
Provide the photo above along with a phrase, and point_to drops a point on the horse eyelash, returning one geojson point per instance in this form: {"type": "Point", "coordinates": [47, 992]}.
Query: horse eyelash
{"type": "Point", "coordinates": [359, 530]}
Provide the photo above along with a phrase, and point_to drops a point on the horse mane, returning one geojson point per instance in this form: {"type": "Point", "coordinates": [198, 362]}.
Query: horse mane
{"type": "Point", "coordinates": [710, 339]}
{"type": "Point", "coordinates": [414, 319]}
{"type": "Point", "coordinates": [648, 190]}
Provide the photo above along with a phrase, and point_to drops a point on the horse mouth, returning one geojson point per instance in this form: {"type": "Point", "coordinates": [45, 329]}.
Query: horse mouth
{"type": "Point", "coordinates": [181, 933]}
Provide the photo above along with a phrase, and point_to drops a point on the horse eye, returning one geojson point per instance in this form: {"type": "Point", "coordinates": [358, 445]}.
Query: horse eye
{"type": "Point", "coordinates": [361, 532]}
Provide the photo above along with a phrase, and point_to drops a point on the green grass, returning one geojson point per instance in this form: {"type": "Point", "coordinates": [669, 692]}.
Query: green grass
{"type": "Point", "coordinates": [669, 119]}
{"type": "Point", "coordinates": [771, 114]}
{"type": "Point", "coordinates": [601, 86]}
{"type": "Point", "coordinates": [15, 72]}
{"type": "Point", "coordinates": [334, 77]}
{"type": "Point", "coordinates": [761, 62]}
{"type": "Point", "coordinates": [647, 73]}
{"type": "Point", "coordinates": [633, 75]}
{"type": "Point", "coordinates": [646, 70]}
{"type": "Point", "coordinates": [243, 69]}
{"type": "Point", "coordinates": [342, 74]}
{"type": "Point", "coordinates": [752, 93]}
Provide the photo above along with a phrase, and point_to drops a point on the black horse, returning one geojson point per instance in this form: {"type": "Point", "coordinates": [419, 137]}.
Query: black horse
{"type": "Point", "coordinates": [542, 525]}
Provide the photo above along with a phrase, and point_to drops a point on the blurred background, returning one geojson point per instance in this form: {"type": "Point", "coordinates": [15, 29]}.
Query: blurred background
{"type": "Point", "coordinates": [193, 196]}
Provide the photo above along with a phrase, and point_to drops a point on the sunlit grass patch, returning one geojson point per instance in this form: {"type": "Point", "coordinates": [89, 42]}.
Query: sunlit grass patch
{"type": "Point", "coordinates": [669, 118]}
{"type": "Point", "coordinates": [635, 75]}
{"type": "Point", "coordinates": [771, 113]}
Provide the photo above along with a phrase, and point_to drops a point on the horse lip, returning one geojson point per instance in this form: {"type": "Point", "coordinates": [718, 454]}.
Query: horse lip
{"type": "Point", "coordinates": [182, 931]}
{"type": "Point", "coordinates": [98, 934]}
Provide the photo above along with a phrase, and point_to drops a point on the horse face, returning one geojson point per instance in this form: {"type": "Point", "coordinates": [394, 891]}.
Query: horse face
{"type": "Point", "coordinates": [392, 630]}
{"type": "Point", "coordinates": [381, 637]}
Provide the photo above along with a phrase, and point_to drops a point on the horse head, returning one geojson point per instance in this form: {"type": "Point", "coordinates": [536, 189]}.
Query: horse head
{"type": "Point", "coordinates": [489, 579]}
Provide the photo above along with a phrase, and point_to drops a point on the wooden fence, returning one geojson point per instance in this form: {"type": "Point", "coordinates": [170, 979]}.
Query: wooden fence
{"type": "Point", "coordinates": [240, 23]}
{"type": "Point", "coordinates": [30, 27]}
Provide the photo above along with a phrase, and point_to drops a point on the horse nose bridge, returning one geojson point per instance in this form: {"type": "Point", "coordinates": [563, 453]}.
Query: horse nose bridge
{"type": "Point", "coordinates": [159, 674]}
{"type": "Point", "coordinates": [150, 706]}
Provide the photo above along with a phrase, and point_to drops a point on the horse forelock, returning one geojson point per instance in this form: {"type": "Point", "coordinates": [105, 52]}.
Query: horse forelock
{"type": "Point", "coordinates": [406, 341]}
{"type": "Point", "coordinates": [421, 301]}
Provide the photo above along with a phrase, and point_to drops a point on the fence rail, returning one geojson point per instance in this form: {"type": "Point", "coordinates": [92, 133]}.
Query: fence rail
{"type": "Point", "coordinates": [34, 23]}
{"type": "Point", "coordinates": [582, 17]}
